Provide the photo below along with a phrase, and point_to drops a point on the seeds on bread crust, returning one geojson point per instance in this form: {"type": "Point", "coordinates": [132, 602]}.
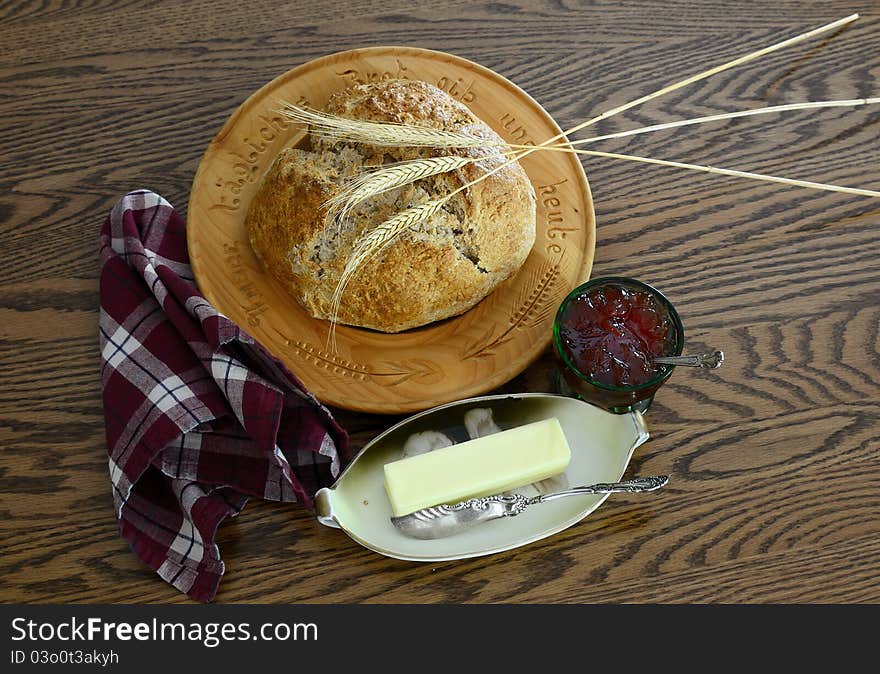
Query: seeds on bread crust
{"type": "Point", "coordinates": [441, 267]}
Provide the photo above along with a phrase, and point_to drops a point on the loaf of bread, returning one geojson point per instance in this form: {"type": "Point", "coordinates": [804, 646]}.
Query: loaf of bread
{"type": "Point", "coordinates": [437, 269]}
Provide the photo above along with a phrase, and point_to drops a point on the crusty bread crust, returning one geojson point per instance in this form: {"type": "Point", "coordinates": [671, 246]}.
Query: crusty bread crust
{"type": "Point", "coordinates": [441, 268]}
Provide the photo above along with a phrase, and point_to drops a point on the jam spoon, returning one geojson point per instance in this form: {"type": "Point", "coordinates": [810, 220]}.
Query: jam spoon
{"type": "Point", "coordinates": [707, 360]}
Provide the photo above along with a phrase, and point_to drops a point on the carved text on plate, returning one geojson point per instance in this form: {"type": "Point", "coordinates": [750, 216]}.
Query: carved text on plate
{"type": "Point", "coordinates": [355, 76]}
{"type": "Point", "coordinates": [246, 162]}
{"type": "Point", "coordinates": [255, 305]}
{"type": "Point", "coordinates": [515, 130]}
{"type": "Point", "coordinates": [556, 228]}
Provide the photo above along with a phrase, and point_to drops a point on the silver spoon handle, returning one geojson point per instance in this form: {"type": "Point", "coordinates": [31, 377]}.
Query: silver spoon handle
{"type": "Point", "coordinates": [708, 360]}
{"type": "Point", "coordinates": [638, 484]}
{"type": "Point", "coordinates": [446, 520]}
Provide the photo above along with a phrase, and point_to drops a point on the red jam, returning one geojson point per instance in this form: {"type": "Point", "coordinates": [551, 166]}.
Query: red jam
{"type": "Point", "coordinates": [611, 333]}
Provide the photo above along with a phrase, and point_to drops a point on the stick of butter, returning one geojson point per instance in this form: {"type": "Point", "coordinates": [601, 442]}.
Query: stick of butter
{"type": "Point", "coordinates": [479, 467]}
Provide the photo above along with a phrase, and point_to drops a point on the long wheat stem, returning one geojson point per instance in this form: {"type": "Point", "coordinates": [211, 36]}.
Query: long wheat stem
{"type": "Point", "coordinates": [731, 172]}
{"type": "Point", "coordinates": [788, 107]}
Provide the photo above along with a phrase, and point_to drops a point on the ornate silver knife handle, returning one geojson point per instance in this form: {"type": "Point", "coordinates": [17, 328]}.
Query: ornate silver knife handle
{"type": "Point", "coordinates": [507, 504]}
{"type": "Point", "coordinates": [445, 520]}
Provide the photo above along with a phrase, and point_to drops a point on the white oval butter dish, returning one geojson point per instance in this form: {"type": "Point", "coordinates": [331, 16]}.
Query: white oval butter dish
{"type": "Point", "coordinates": [601, 446]}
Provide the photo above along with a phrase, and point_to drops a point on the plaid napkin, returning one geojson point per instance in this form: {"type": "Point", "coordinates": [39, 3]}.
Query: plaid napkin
{"type": "Point", "coordinates": [199, 416]}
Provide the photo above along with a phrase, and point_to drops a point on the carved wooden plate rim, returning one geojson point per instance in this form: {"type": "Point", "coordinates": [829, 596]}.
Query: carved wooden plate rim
{"type": "Point", "coordinates": [373, 372]}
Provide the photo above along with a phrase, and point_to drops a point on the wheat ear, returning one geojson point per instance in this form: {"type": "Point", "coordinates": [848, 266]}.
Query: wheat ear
{"type": "Point", "coordinates": [374, 242]}
{"type": "Point", "coordinates": [385, 179]}
{"type": "Point", "coordinates": [383, 134]}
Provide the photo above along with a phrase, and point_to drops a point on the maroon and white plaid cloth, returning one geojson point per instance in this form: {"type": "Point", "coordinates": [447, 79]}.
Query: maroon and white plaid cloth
{"type": "Point", "coordinates": [199, 416]}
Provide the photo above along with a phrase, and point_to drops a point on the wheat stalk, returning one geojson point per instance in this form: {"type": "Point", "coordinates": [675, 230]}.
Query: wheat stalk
{"type": "Point", "coordinates": [731, 172]}
{"type": "Point", "coordinates": [385, 179]}
{"type": "Point", "coordinates": [384, 134]}
{"type": "Point", "coordinates": [788, 107]}
{"type": "Point", "coordinates": [374, 242]}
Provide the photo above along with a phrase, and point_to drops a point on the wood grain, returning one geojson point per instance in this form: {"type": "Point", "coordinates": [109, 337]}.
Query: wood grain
{"type": "Point", "coordinates": [774, 457]}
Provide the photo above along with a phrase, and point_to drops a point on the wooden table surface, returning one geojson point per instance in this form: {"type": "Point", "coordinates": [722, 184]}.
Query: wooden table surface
{"type": "Point", "coordinates": [774, 458]}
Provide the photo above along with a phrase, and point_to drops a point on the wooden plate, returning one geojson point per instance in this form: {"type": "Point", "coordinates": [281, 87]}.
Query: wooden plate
{"type": "Point", "coordinates": [371, 371]}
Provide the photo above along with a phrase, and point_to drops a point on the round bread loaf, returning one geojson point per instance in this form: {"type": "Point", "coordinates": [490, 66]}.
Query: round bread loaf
{"type": "Point", "coordinates": [437, 269]}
